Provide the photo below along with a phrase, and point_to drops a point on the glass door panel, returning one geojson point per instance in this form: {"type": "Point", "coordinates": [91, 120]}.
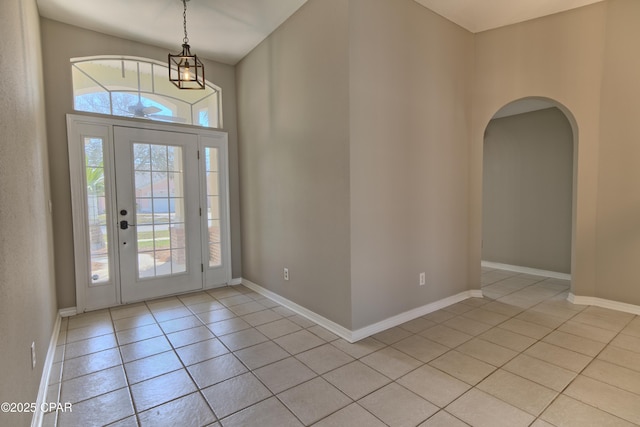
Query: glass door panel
{"type": "Point", "coordinates": [160, 229]}
{"type": "Point", "coordinates": [157, 185]}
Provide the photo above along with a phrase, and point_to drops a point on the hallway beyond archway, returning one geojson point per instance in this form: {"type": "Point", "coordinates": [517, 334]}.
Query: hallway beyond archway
{"type": "Point", "coordinates": [528, 187]}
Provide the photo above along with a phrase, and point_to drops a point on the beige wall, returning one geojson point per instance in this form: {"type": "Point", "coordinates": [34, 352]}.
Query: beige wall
{"type": "Point", "coordinates": [527, 191]}
{"type": "Point", "coordinates": [27, 287]}
{"type": "Point", "coordinates": [361, 128]}
{"type": "Point", "coordinates": [421, 94]}
{"type": "Point", "coordinates": [343, 154]}
{"type": "Point", "coordinates": [558, 57]}
{"type": "Point", "coordinates": [62, 42]}
{"type": "Point", "coordinates": [410, 97]}
{"type": "Point", "coordinates": [293, 114]}
{"type": "Point", "coordinates": [618, 217]}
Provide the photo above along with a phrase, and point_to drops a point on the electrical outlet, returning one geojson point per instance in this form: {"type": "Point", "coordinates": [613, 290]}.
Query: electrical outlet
{"type": "Point", "coordinates": [423, 279]}
{"type": "Point", "coordinates": [286, 273]}
{"type": "Point", "coordinates": [33, 355]}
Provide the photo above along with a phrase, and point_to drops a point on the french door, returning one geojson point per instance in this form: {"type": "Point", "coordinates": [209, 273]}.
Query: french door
{"type": "Point", "coordinates": [150, 210]}
{"type": "Point", "coordinates": [157, 199]}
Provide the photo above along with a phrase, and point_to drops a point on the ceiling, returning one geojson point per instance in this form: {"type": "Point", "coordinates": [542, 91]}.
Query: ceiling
{"type": "Point", "coordinates": [523, 106]}
{"type": "Point", "coordinates": [226, 30]}
{"type": "Point", "coordinates": [482, 15]}
{"type": "Point", "coordinates": [223, 30]}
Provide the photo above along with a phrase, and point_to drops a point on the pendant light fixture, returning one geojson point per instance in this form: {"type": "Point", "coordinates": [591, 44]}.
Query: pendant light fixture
{"type": "Point", "coordinates": [185, 69]}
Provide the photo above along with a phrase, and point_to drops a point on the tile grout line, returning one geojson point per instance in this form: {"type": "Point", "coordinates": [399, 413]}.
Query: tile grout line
{"type": "Point", "coordinates": [593, 358]}
{"type": "Point", "coordinates": [561, 393]}
{"type": "Point", "coordinates": [384, 346]}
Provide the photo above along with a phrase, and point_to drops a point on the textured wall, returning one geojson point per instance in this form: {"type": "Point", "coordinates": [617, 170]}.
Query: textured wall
{"type": "Point", "coordinates": [559, 57]}
{"type": "Point", "coordinates": [410, 93]}
{"type": "Point", "coordinates": [27, 289]}
{"type": "Point", "coordinates": [527, 191]}
{"type": "Point", "coordinates": [62, 42]}
{"type": "Point", "coordinates": [294, 160]}
{"type": "Point", "coordinates": [586, 60]}
{"type": "Point", "coordinates": [618, 226]}
{"type": "Point", "coordinates": [342, 155]}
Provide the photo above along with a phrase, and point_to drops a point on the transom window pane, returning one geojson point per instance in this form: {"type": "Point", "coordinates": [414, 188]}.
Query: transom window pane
{"type": "Point", "coordinates": [140, 88]}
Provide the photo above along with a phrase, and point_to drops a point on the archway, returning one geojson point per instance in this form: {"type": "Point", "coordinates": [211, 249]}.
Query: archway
{"type": "Point", "coordinates": [528, 188]}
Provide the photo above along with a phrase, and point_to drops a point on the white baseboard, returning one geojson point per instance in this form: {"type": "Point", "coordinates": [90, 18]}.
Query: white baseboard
{"type": "Point", "coordinates": [407, 316]}
{"type": "Point", "coordinates": [604, 303]}
{"type": "Point", "coordinates": [359, 334]}
{"type": "Point", "coordinates": [339, 330]}
{"type": "Point", "coordinates": [38, 415]}
{"type": "Point", "coordinates": [235, 282]}
{"type": "Point", "coordinates": [68, 312]}
{"type": "Point", "coordinates": [526, 270]}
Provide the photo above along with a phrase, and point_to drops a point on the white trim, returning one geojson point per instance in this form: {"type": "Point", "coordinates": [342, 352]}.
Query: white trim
{"type": "Point", "coordinates": [68, 312]}
{"type": "Point", "coordinates": [604, 303]}
{"type": "Point", "coordinates": [90, 297]}
{"type": "Point", "coordinates": [215, 276]}
{"type": "Point", "coordinates": [339, 330]}
{"type": "Point", "coordinates": [526, 270]}
{"type": "Point", "coordinates": [162, 64]}
{"type": "Point", "coordinates": [359, 334]}
{"type": "Point", "coordinates": [96, 297]}
{"type": "Point", "coordinates": [235, 282]}
{"type": "Point", "coordinates": [407, 316]}
{"type": "Point", "coordinates": [38, 415]}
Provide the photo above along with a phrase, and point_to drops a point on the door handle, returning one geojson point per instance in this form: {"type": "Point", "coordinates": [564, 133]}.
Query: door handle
{"type": "Point", "coordinates": [124, 224]}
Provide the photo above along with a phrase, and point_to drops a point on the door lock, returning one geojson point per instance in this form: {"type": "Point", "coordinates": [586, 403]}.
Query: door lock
{"type": "Point", "coordinates": [124, 224]}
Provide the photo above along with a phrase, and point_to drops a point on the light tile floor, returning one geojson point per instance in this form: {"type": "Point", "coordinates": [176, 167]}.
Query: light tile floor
{"type": "Point", "coordinates": [520, 356]}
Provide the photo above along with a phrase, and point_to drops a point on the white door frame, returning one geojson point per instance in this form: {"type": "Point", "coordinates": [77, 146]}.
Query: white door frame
{"type": "Point", "coordinates": [216, 275]}
{"type": "Point", "coordinates": [93, 297]}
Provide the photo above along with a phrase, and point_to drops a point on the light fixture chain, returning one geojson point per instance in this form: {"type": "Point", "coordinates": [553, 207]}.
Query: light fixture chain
{"type": "Point", "coordinates": [186, 71]}
{"type": "Point", "coordinates": [184, 17]}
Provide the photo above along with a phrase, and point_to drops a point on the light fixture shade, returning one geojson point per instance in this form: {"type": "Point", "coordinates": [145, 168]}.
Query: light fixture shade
{"type": "Point", "coordinates": [186, 70]}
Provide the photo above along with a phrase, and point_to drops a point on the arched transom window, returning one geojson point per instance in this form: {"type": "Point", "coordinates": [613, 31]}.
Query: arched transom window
{"type": "Point", "coordinates": [138, 87]}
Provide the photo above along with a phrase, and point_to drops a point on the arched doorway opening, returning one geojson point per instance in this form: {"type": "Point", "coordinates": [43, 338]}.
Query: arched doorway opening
{"type": "Point", "coordinates": [528, 188]}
